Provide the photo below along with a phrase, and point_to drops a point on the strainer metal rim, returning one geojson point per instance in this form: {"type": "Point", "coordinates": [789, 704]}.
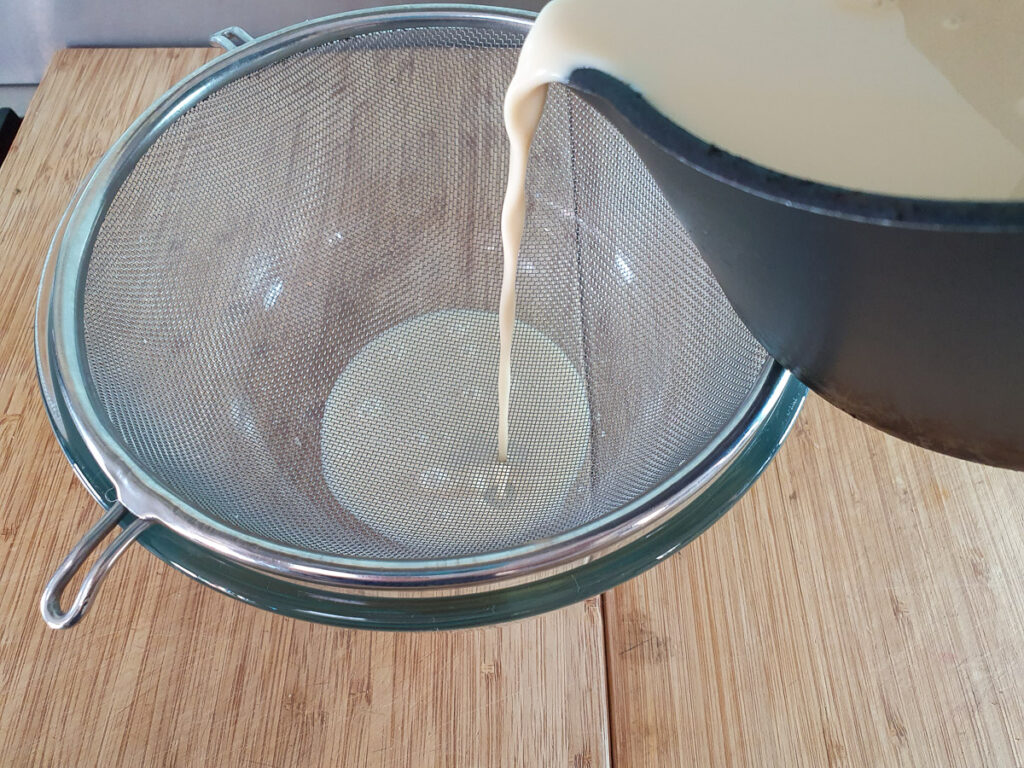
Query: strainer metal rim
{"type": "Point", "coordinates": [148, 500]}
{"type": "Point", "coordinates": [312, 602]}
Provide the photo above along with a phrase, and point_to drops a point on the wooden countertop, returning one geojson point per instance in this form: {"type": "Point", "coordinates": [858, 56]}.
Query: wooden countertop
{"type": "Point", "coordinates": [863, 605]}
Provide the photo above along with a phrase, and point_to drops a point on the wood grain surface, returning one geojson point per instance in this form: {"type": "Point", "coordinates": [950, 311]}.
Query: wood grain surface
{"type": "Point", "coordinates": [863, 605]}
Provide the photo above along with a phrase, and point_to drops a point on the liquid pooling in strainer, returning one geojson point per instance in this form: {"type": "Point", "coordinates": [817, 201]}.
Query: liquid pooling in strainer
{"type": "Point", "coordinates": [407, 436]}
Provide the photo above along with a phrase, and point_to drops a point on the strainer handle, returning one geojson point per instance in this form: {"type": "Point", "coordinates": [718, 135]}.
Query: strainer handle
{"type": "Point", "coordinates": [54, 616]}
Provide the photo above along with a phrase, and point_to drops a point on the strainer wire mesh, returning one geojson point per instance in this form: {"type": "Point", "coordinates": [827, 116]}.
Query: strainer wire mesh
{"type": "Point", "coordinates": [296, 214]}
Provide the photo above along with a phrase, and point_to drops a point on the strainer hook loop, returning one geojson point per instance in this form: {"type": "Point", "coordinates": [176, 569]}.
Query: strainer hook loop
{"type": "Point", "coordinates": [53, 614]}
{"type": "Point", "coordinates": [230, 38]}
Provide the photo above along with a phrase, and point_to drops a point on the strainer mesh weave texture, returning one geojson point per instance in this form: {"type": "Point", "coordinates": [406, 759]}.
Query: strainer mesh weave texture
{"type": "Point", "coordinates": [294, 215]}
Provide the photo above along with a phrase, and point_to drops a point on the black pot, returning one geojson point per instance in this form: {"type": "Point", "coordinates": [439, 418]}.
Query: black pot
{"type": "Point", "coordinates": [908, 314]}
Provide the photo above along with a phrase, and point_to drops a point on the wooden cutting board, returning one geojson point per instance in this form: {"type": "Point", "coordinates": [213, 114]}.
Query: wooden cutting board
{"type": "Point", "coordinates": [863, 605]}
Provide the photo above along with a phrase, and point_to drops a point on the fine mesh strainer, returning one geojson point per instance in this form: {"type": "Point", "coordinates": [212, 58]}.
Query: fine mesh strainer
{"type": "Point", "coordinates": [271, 331]}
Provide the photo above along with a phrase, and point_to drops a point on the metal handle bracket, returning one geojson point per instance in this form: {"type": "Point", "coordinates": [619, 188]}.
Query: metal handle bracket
{"type": "Point", "coordinates": [230, 38]}
{"type": "Point", "coordinates": [58, 618]}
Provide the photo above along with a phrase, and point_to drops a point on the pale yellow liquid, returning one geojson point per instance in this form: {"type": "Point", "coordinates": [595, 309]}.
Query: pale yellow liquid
{"type": "Point", "coordinates": [407, 435]}
{"type": "Point", "coordinates": [922, 98]}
